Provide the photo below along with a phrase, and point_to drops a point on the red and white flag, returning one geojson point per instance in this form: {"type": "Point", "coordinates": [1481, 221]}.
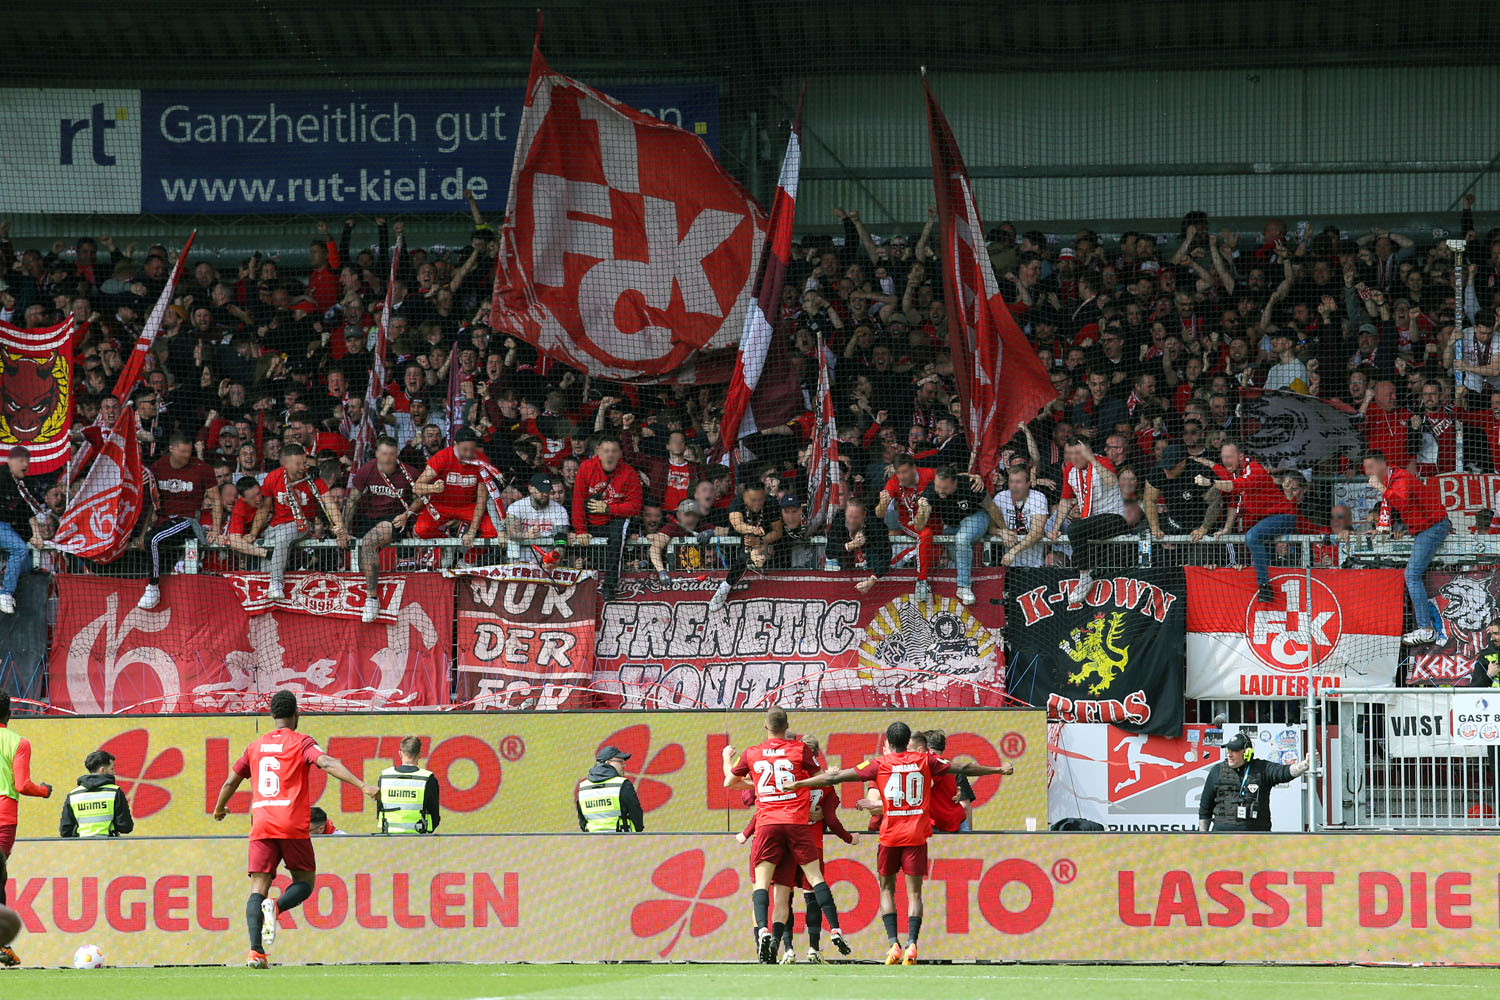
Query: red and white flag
{"type": "Point", "coordinates": [365, 434]}
{"type": "Point", "coordinates": [36, 392]}
{"type": "Point", "coordinates": [131, 373]}
{"type": "Point", "coordinates": [763, 390]}
{"type": "Point", "coordinates": [825, 492]}
{"type": "Point", "coordinates": [626, 248]}
{"type": "Point", "coordinates": [1340, 629]}
{"type": "Point", "coordinates": [984, 340]}
{"type": "Point", "coordinates": [99, 520]}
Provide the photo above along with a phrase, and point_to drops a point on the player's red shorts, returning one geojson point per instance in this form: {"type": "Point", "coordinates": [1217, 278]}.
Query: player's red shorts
{"type": "Point", "coordinates": [297, 855]}
{"type": "Point", "coordinates": [782, 844]}
{"type": "Point", "coordinates": [7, 839]}
{"type": "Point", "coordinates": [789, 873]}
{"type": "Point", "coordinates": [907, 860]}
{"type": "Point", "coordinates": [431, 521]}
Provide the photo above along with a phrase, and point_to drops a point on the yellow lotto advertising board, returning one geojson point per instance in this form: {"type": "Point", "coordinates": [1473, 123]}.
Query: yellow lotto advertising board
{"type": "Point", "coordinates": [1030, 897]}
{"type": "Point", "coordinates": [511, 772]}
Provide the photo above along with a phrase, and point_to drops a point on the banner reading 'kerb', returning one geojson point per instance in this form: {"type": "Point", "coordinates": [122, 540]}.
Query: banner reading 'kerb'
{"type": "Point", "coordinates": [1030, 898]}
{"type": "Point", "coordinates": [513, 772]}
{"type": "Point", "coordinates": [272, 152]}
{"type": "Point", "coordinates": [1347, 623]}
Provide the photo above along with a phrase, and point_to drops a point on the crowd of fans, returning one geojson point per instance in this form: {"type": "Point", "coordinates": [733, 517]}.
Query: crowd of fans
{"type": "Point", "coordinates": [1150, 345]}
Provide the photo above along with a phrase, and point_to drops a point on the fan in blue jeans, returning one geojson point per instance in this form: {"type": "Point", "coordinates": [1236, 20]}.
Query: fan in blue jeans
{"type": "Point", "coordinates": [17, 508]}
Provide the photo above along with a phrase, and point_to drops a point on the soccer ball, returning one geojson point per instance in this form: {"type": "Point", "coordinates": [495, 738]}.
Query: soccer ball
{"type": "Point", "coordinates": [88, 957]}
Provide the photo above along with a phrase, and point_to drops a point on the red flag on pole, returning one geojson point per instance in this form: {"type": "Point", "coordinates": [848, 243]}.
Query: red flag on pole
{"type": "Point", "coordinates": [99, 520]}
{"type": "Point", "coordinates": [825, 492]}
{"type": "Point", "coordinates": [36, 392]}
{"type": "Point", "coordinates": [763, 389]}
{"type": "Point", "coordinates": [984, 340]}
{"type": "Point", "coordinates": [131, 373]}
{"type": "Point", "coordinates": [365, 434]}
{"type": "Point", "coordinates": [626, 248]}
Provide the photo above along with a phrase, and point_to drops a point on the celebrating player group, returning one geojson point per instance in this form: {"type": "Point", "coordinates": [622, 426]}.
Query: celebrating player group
{"type": "Point", "coordinates": [786, 778]}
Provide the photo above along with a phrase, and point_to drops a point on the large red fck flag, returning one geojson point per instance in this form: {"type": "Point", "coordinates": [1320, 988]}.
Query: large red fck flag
{"type": "Point", "coordinates": [984, 340]}
{"type": "Point", "coordinates": [36, 392]}
{"type": "Point", "coordinates": [763, 390]}
{"type": "Point", "coordinates": [626, 248]}
{"type": "Point", "coordinates": [98, 521]}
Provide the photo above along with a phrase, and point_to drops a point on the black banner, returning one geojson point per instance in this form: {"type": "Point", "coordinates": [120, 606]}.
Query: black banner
{"type": "Point", "coordinates": [1116, 654]}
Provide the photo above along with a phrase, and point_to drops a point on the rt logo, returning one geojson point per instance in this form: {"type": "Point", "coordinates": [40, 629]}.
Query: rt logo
{"type": "Point", "coordinates": [96, 125]}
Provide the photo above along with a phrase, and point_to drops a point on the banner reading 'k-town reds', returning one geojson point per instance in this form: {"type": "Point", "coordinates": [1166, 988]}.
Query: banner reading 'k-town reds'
{"type": "Point", "coordinates": [1112, 653]}
{"type": "Point", "coordinates": [1348, 622]}
{"type": "Point", "coordinates": [802, 641]}
{"type": "Point", "coordinates": [626, 247]}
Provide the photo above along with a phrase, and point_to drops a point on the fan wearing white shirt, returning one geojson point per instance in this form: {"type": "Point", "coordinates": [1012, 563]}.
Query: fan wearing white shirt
{"type": "Point", "coordinates": [1024, 511]}
{"type": "Point", "coordinates": [535, 520]}
{"type": "Point", "coordinates": [1091, 489]}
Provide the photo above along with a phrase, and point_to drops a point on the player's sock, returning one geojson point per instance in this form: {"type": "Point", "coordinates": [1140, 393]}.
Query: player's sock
{"type": "Point", "coordinates": [253, 919]}
{"type": "Point", "coordinates": [889, 919]}
{"type": "Point", "coordinates": [814, 920]}
{"type": "Point", "coordinates": [293, 896]}
{"type": "Point", "coordinates": [778, 930]}
{"type": "Point", "coordinates": [914, 927]}
{"type": "Point", "coordinates": [824, 896]}
{"type": "Point", "coordinates": [760, 901]}
{"type": "Point", "coordinates": [786, 936]}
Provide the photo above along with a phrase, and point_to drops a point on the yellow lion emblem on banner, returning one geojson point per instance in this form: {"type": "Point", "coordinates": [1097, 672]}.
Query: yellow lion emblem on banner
{"type": "Point", "coordinates": [1096, 647]}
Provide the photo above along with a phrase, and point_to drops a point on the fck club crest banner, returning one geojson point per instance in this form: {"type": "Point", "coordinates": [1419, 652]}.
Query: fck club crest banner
{"type": "Point", "coordinates": [627, 248]}
{"type": "Point", "coordinates": [1115, 654]}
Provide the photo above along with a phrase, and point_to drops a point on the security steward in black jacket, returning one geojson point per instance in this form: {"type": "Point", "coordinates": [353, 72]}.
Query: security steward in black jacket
{"type": "Point", "coordinates": [1237, 794]}
{"type": "Point", "coordinates": [606, 800]}
{"type": "Point", "coordinates": [97, 807]}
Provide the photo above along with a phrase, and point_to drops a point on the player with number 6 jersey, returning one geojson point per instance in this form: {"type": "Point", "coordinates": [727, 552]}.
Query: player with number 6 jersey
{"type": "Point", "coordinates": [773, 768]}
{"type": "Point", "coordinates": [904, 779]}
{"type": "Point", "coordinates": [277, 765]}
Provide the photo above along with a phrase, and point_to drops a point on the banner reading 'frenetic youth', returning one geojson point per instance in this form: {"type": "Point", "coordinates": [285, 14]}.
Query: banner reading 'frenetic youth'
{"type": "Point", "coordinates": [1113, 654]}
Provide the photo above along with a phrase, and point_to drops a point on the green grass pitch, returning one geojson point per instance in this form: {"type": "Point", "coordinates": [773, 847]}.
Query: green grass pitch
{"type": "Point", "coordinates": [737, 982]}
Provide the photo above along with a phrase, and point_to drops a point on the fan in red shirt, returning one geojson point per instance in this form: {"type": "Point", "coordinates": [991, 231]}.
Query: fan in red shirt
{"type": "Point", "coordinates": [898, 508]}
{"type": "Point", "coordinates": [1263, 509]}
{"type": "Point", "coordinates": [463, 497]}
{"type": "Point", "coordinates": [905, 781]}
{"type": "Point", "coordinates": [1387, 428]}
{"type": "Point", "coordinates": [1417, 503]}
{"type": "Point", "coordinates": [673, 475]}
{"type": "Point", "coordinates": [181, 483]}
{"type": "Point", "coordinates": [293, 497]}
{"type": "Point", "coordinates": [606, 495]}
{"type": "Point", "coordinates": [782, 835]}
{"type": "Point", "coordinates": [237, 530]}
{"type": "Point", "coordinates": [280, 808]}
{"type": "Point", "coordinates": [822, 816]}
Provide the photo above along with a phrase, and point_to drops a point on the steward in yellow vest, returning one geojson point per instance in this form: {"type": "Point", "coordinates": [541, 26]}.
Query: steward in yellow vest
{"type": "Point", "coordinates": [97, 807]}
{"type": "Point", "coordinates": [408, 800]}
{"type": "Point", "coordinates": [606, 800]}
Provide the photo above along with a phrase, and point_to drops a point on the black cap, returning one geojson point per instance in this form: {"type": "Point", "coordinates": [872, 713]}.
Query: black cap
{"type": "Point", "coordinates": [1238, 742]}
{"type": "Point", "coordinates": [542, 482]}
{"type": "Point", "coordinates": [609, 753]}
{"type": "Point", "coordinates": [790, 500]}
{"type": "Point", "coordinates": [464, 434]}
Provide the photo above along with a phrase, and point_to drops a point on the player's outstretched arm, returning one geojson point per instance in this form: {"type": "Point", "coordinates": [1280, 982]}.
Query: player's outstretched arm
{"type": "Point", "coordinates": [825, 779]}
{"type": "Point", "coordinates": [973, 770]}
{"type": "Point", "coordinates": [226, 792]}
{"type": "Point", "coordinates": [336, 769]}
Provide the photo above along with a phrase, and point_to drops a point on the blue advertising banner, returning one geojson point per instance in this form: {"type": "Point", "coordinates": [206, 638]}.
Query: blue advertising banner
{"type": "Point", "coordinates": [279, 152]}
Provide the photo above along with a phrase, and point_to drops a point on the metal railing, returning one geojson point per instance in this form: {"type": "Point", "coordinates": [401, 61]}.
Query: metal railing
{"type": "Point", "coordinates": [1395, 762]}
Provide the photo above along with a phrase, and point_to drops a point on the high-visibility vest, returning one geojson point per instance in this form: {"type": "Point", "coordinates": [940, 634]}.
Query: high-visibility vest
{"type": "Point", "coordinates": [94, 810]}
{"type": "Point", "coordinates": [9, 743]}
{"type": "Point", "coordinates": [600, 803]}
{"type": "Point", "coordinates": [402, 794]}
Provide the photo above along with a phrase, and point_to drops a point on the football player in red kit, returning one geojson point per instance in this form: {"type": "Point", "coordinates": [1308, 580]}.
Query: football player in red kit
{"type": "Point", "coordinates": [783, 835]}
{"type": "Point", "coordinates": [280, 818]}
{"type": "Point", "coordinates": [822, 816]}
{"type": "Point", "coordinates": [904, 779]}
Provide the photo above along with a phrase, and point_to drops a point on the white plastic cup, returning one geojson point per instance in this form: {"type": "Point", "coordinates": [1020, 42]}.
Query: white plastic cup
{"type": "Point", "coordinates": [1031, 824]}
